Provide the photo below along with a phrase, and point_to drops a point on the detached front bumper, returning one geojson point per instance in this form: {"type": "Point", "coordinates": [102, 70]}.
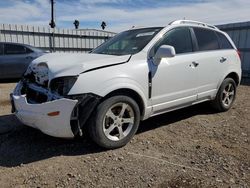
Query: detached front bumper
{"type": "Point", "coordinates": [39, 115]}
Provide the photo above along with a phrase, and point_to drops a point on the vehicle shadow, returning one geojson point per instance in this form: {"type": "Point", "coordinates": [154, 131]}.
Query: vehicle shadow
{"type": "Point", "coordinates": [22, 145]}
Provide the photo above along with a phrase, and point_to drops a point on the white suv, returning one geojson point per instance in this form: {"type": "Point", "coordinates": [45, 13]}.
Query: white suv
{"type": "Point", "coordinates": [137, 74]}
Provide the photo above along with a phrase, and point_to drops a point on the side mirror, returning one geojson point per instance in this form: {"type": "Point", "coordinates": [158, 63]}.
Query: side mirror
{"type": "Point", "coordinates": [163, 52]}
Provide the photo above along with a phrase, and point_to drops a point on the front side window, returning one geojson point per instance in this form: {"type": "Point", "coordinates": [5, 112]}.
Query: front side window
{"type": "Point", "coordinates": [224, 43]}
{"type": "Point", "coordinates": [12, 49]}
{"type": "Point", "coordinates": [207, 39]}
{"type": "Point", "coordinates": [179, 38]}
{"type": "Point", "coordinates": [127, 42]}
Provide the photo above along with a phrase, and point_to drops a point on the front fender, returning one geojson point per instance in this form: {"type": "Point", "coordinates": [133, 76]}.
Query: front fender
{"type": "Point", "coordinates": [104, 87]}
{"type": "Point", "coordinates": [104, 81]}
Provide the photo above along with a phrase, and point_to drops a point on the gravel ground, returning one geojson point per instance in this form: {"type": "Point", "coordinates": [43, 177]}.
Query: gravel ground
{"type": "Point", "coordinates": [192, 147]}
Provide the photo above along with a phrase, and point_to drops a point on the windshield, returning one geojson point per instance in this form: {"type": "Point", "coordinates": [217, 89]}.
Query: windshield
{"type": "Point", "coordinates": [128, 42]}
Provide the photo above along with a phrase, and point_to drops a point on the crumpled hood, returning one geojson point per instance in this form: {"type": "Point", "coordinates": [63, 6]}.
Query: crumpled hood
{"type": "Point", "coordinates": [70, 64]}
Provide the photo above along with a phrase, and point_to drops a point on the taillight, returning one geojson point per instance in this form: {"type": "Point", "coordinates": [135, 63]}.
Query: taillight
{"type": "Point", "coordinates": [238, 52]}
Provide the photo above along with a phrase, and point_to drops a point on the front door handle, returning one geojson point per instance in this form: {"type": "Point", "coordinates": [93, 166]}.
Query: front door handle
{"type": "Point", "coordinates": [223, 59]}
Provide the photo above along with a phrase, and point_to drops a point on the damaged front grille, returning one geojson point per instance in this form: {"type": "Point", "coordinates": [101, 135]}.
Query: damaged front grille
{"type": "Point", "coordinates": [38, 87]}
{"type": "Point", "coordinates": [37, 94]}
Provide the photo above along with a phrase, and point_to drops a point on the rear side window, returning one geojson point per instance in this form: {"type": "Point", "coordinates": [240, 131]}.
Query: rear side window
{"type": "Point", "coordinates": [179, 38]}
{"type": "Point", "coordinates": [207, 39]}
{"type": "Point", "coordinates": [224, 43]}
{"type": "Point", "coordinates": [11, 49]}
{"type": "Point", "coordinates": [1, 49]}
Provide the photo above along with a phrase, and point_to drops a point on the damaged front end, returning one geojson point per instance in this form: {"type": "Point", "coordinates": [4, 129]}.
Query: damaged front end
{"type": "Point", "coordinates": [45, 104]}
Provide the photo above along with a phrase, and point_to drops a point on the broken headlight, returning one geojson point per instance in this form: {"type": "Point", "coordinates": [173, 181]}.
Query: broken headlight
{"type": "Point", "coordinates": [62, 85]}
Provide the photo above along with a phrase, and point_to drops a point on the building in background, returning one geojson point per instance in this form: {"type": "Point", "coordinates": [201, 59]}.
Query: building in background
{"type": "Point", "coordinates": [240, 33]}
{"type": "Point", "coordinates": [59, 40]}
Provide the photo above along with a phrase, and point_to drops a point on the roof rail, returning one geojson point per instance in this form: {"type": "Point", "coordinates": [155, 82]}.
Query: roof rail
{"type": "Point", "coordinates": [192, 22]}
{"type": "Point", "coordinates": [137, 27]}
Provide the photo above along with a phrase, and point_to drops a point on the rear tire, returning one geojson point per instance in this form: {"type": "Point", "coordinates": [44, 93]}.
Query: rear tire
{"type": "Point", "coordinates": [114, 122]}
{"type": "Point", "coordinates": [225, 96]}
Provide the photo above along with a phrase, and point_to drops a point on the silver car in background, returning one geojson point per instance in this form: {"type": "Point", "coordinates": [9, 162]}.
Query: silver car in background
{"type": "Point", "coordinates": [15, 58]}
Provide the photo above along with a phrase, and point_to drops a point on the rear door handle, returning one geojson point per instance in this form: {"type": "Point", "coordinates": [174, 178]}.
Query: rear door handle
{"type": "Point", "coordinates": [223, 59]}
{"type": "Point", "coordinates": [195, 64]}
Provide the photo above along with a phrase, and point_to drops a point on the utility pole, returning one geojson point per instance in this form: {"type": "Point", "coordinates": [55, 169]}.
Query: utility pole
{"type": "Point", "coordinates": [52, 25]}
{"type": "Point", "coordinates": [52, 22]}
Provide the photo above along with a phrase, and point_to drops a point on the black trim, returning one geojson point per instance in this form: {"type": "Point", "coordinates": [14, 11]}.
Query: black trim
{"type": "Point", "coordinates": [149, 84]}
{"type": "Point", "coordinates": [105, 66]}
{"type": "Point", "coordinates": [13, 108]}
{"type": "Point", "coordinates": [82, 111]}
{"type": "Point", "coordinates": [194, 40]}
{"type": "Point", "coordinates": [219, 41]}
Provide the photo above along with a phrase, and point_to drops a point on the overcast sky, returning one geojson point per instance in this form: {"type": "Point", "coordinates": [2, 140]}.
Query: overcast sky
{"type": "Point", "coordinates": [123, 14]}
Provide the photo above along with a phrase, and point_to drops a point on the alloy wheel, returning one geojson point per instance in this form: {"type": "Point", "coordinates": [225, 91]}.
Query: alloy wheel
{"type": "Point", "coordinates": [118, 121]}
{"type": "Point", "coordinates": [228, 94]}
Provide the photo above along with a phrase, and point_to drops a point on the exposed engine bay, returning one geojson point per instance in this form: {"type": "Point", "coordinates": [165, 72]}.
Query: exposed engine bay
{"type": "Point", "coordinates": [38, 89]}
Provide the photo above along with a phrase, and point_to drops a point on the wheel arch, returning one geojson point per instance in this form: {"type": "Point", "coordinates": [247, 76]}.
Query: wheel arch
{"type": "Point", "coordinates": [130, 93]}
{"type": "Point", "coordinates": [234, 76]}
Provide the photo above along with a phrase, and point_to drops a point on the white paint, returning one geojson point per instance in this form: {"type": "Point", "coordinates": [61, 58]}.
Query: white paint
{"type": "Point", "coordinates": [175, 83]}
{"type": "Point", "coordinates": [35, 115]}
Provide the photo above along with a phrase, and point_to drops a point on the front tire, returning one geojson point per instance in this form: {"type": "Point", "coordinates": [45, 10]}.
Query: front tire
{"type": "Point", "coordinates": [114, 122]}
{"type": "Point", "coordinates": [225, 96]}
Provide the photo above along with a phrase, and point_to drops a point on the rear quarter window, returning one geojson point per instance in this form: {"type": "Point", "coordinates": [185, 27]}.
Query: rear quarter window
{"type": "Point", "coordinates": [224, 43]}
{"type": "Point", "coordinates": [207, 39]}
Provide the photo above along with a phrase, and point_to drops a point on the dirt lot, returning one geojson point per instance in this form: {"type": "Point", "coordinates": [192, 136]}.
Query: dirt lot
{"type": "Point", "coordinates": [192, 147]}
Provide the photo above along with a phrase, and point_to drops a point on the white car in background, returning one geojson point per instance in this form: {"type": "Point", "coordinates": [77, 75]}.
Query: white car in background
{"type": "Point", "coordinates": [137, 74]}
